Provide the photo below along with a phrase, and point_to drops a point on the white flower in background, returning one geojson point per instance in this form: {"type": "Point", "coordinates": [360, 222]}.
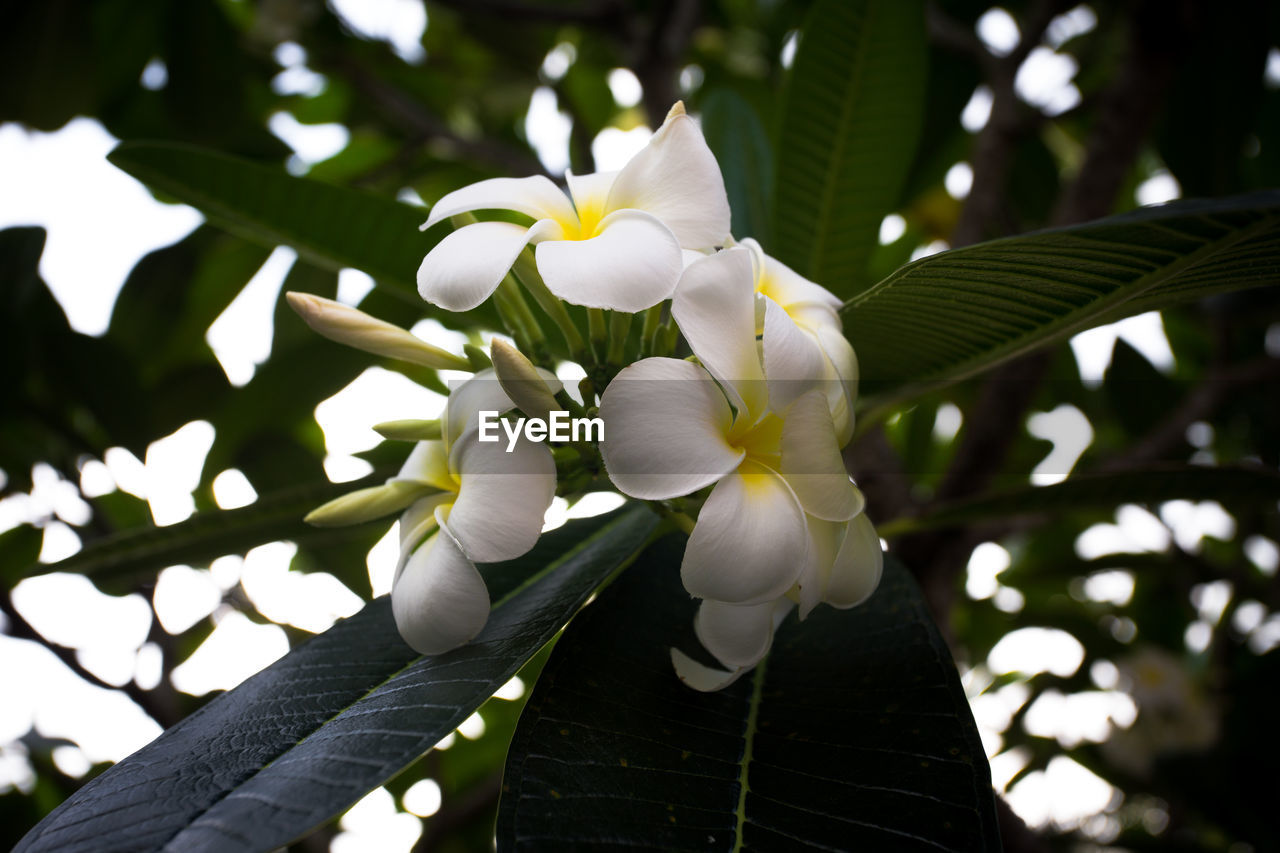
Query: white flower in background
{"type": "Point", "coordinates": [783, 521]}
{"type": "Point", "coordinates": [803, 335]}
{"type": "Point", "coordinates": [613, 242]}
{"type": "Point", "coordinates": [842, 569]}
{"type": "Point", "coordinates": [489, 507]}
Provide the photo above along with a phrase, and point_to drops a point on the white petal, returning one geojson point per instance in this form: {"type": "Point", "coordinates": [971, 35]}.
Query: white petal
{"type": "Point", "coordinates": [665, 423]}
{"type": "Point", "coordinates": [811, 461]}
{"type": "Point", "coordinates": [676, 178]}
{"type": "Point", "coordinates": [714, 306]}
{"type": "Point", "coordinates": [750, 542]}
{"type": "Point", "coordinates": [428, 463]}
{"type": "Point", "coordinates": [503, 498]}
{"type": "Point", "coordinates": [688, 256]}
{"type": "Point", "coordinates": [417, 522]}
{"type": "Point", "coordinates": [793, 359]}
{"type": "Point", "coordinates": [439, 601]}
{"type": "Point", "coordinates": [482, 392]}
{"type": "Point", "coordinates": [633, 262]}
{"type": "Point", "coordinates": [590, 194]}
{"type": "Point", "coordinates": [786, 286]}
{"type": "Point", "coordinates": [842, 387]}
{"type": "Point", "coordinates": [701, 677]}
{"type": "Point", "coordinates": [824, 544]}
{"type": "Point", "coordinates": [857, 569]}
{"type": "Point", "coordinates": [465, 268]}
{"type": "Point", "coordinates": [537, 197]}
{"type": "Point", "coordinates": [738, 635]}
{"type": "Point", "coordinates": [811, 318]}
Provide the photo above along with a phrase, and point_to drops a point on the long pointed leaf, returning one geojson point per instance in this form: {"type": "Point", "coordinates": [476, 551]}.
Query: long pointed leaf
{"type": "Point", "coordinates": [852, 112]}
{"type": "Point", "coordinates": [306, 737]}
{"type": "Point", "coordinates": [853, 734]}
{"type": "Point", "coordinates": [956, 313]}
{"type": "Point", "coordinates": [738, 139]}
{"type": "Point", "coordinates": [331, 226]}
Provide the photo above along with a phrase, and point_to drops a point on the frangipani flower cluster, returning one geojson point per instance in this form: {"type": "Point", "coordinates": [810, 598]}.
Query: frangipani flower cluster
{"type": "Point", "coordinates": [783, 524]}
{"type": "Point", "coordinates": [739, 443]}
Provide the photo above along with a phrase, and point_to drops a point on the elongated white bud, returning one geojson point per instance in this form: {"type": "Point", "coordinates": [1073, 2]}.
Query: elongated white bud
{"type": "Point", "coordinates": [367, 504]}
{"type": "Point", "coordinates": [521, 380]}
{"type": "Point", "coordinates": [408, 430]}
{"type": "Point", "coordinates": [355, 328]}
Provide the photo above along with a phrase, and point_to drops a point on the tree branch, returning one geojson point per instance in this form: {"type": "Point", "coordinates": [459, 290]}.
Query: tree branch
{"type": "Point", "coordinates": [660, 51]}
{"type": "Point", "coordinates": [993, 425]}
{"type": "Point", "coordinates": [420, 126]}
{"type": "Point", "coordinates": [1128, 108]}
{"type": "Point", "coordinates": [599, 13]}
{"type": "Point", "coordinates": [1010, 119]}
{"type": "Point", "coordinates": [21, 629]}
{"type": "Point", "coordinates": [1218, 385]}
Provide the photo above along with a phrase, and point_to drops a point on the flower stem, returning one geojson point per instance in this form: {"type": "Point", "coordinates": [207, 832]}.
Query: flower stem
{"type": "Point", "coordinates": [536, 349]}
{"type": "Point", "coordinates": [652, 322]}
{"type": "Point", "coordinates": [679, 519]}
{"type": "Point", "coordinates": [596, 331]}
{"type": "Point", "coordinates": [526, 272]}
{"type": "Point", "coordinates": [619, 326]}
{"type": "Point", "coordinates": [510, 318]}
{"type": "Point", "coordinates": [664, 338]}
{"type": "Point", "coordinates": [478, 358]}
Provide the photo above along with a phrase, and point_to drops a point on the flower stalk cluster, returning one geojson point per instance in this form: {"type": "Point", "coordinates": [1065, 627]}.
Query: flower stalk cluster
{"type": "Point", "coordinates": [738, 443]}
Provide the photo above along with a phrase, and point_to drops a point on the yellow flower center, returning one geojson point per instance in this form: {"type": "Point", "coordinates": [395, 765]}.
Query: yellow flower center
{"type": "Point", "coordinates": [761, 441]}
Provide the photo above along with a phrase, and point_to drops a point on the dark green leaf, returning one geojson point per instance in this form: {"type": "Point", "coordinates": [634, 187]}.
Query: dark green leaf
{"type": "Point", "coordinates": [852, 113]}
{"type": "Point", "coordinates": [308, 736]}
{"type": "Point", "coordinates": [1228, 484]}
{"type": "Point", "coordinates": [741, 146]}
{"type": "Point", "coordinates": [1213, 103]}
{"type": "Point", "coordinates": [853, 733]}
{"type": "Point", "coordinates": [1139, 395]}
{"type": "Point", "coordinates": [330, 226]}
{"type": "Point", "coordinates": [19, 549]}
{"type": "Point", "coordinates": [956, 313]}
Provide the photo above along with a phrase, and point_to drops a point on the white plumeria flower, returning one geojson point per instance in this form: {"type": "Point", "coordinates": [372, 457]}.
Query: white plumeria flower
{"type": "Point", "coordinates": [803, 336]}
{"type": "Point", "coordinates": [489, 507]}
{"type": "Point", "coordinates": [843, 569]}
{"type": "Point", "coordinates": [782, 506]}
{"type": "Point", "coordinates": [613, 242]}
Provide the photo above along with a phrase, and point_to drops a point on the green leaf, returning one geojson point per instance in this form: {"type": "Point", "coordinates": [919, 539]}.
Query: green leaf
{"type": "Point", "coordinates": [305, 738]}
{"type": "Point", "coordinates": [738, 139]}
{"type": "Point", "coordinates": [1214, 99]}
{"type": "Point", "coordinates": [331, 226]}
{"type": "Point", "coordinates": [206, 535]}
{"type": "Point", "coordinates": [957, 313]}
{"type": "Point", "coordinates": [854, 733]}
{"type": "Point", "coordinates": [851, 117]}
{"type": "Point", "coordinates": [19, 548]}
{"type": "Point", "coordinates": [1138, 394]}
{"type": "Point", "coordinates": [1247, 485]}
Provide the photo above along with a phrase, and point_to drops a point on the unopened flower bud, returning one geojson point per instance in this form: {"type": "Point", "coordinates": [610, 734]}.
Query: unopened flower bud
{"type": "Point", "coordinates": [367, 504]}
{"type": "Point", "coordinates": [410, 429]}
{"type": "Point", "coordinates": [357, 329]}
{"type": "Point", "coordinates": [521, 380]}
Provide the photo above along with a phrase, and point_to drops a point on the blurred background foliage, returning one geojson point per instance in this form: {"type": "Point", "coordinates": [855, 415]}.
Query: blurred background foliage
{"type": "Point", "coordinates": [1150, 686]}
